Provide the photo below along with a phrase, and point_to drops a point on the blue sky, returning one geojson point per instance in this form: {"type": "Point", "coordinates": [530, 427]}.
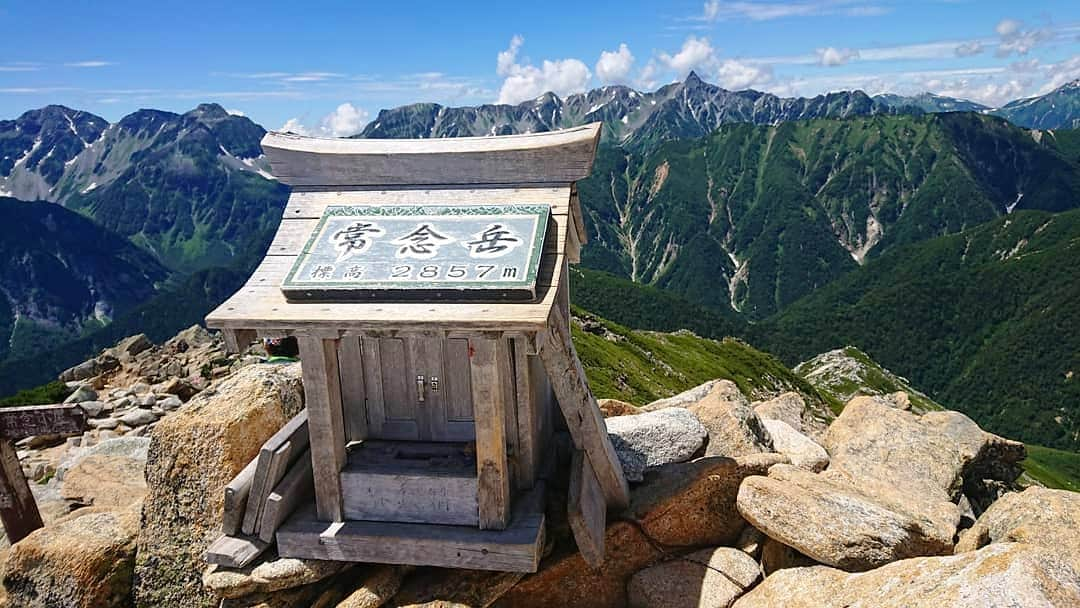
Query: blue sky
{"type": "Point", "coordinates": [328, 67]}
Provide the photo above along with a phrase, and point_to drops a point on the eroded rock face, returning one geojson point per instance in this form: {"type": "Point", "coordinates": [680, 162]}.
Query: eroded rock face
{"type": "Point", "coordinates": [685, 505]}
{"type": "Point", "coordinates": [792, 409]}
{"type": "Point", "coordinates": [648, 440]}
{"type": "Point", "coordinates": [734, 428]}
{"type": "Point", "coordinates": [1038, 516]}
{"type": "Point", "coordinates": [613, 407]}
{"type": "Point", "coordinates": [710, 577]}
{"type": "Point", "coordinates": [834, 524]}
{"type": "Point", "coordinates": [800, 449]}
{"type": "Point", "coordinates": [193, 454]}
{"type": "Point", "coordinates": [915, 463]}
{"type": "Point", "coordinates": [1001, 575]}
{"type": "Point", "coordinates": [82, 560]}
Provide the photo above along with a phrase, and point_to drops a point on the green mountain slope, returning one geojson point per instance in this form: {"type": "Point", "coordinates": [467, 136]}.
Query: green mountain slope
{"type": "Point", "coordinates": [983, 320]}
{"type": "Point", "coordinates": [845, 373]}
{"type": "Point", "coordinates": [641, 366]}
{"type": "Point", "coordinates": [754, 217]}
{"type": "Point", "coordinates": [1058, 109]}
{"type": "Point", "coordinates": [64, 275]}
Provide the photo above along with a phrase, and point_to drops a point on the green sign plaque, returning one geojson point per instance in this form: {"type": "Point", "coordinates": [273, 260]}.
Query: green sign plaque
{"type": "Point", "coordinates": [421, 252]}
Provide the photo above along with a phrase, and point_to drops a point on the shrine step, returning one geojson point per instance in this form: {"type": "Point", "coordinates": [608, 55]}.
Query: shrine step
{"type": "Point", "coordinates": [515, 549]}
{"type": "Point", "coordinates": [411, 482]}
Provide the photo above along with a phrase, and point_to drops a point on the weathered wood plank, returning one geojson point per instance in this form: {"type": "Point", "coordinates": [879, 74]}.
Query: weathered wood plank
{"type": "Point", "coordinates": [27, 421]}
{"type": "Point", "coordinates": [399, 494]}
{"type": "Point", "coordinates": [236, 495]}
{"type": "Point", "coordinates": [489, 409]}
{"type": "Point", "coordinates": [556, 157]}
{"type": "Point", "coordinates": [234, 551]}
{"type": "Point", "coordinates": [353, 395]}
{"type": "Point", "coordinates": [18, 510]}
{"type": "Point", "coordinates": [580, 410]}
{"type": "Point", "coordinates": [271, 463]}
{"type": "Point", "coordinates": [296, 488]}
{"type": "Point", "coordinates": [322, 392]}
{"type": "Point", "coordinates": [515, 549]}
{"type": "Point", "coordinates": [510, 409]}
{"type": "Point", "coordinates": [586, 510]}
{"type": "Point", "coordinates": [527, 418]}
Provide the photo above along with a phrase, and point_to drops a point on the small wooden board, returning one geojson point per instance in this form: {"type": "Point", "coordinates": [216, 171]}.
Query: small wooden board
{"type": "Point", "coordinates": [586, 510]}
{"type": "Point", "coordinates": [234, 551]}
{"type": "Point", "coordinates": [516, 549]}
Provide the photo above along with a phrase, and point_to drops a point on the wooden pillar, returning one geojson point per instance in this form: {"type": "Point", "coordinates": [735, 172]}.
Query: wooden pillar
{"type": "Point", "coordinates": [351, 369]}
{"type": "Point", "coordinates": [489, 411]}
{"type": "Point", "coordinates": [322, 394]}
{"type": "Point", "coordinates": [18, 510]}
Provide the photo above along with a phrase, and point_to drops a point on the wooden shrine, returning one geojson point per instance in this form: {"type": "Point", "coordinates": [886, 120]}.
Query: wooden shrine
{"type": "Point", "coordinates": [426, 284]}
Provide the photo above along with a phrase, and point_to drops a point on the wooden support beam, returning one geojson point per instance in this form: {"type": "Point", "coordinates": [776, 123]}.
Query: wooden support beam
{"type": "Point", "coordinates": [236, 496]}
{"type": "Point", "coordinates": [528, 418]}
{"type": "Point", "coordinates": [322, 393]}
{"type": "Point", "coordinates": [296, 488]}
{"type": "Point", "coordinates": [272, 462]}
{"type": "Point", "coordinates": [489, 411]}
{"type": "Point", "coordinates": [580, 409]}
{"type": "Point", "coordinates": [18, 510]}
{"type": "Point", "coordinates": [586, 510]}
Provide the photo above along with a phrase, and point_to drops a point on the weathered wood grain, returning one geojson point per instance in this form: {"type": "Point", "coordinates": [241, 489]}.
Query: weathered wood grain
{"type": "Point", "coordinates": [18, 510]}
{"type": "Point", "coordinates": [580, 409]}
{"type": "Point", "coordinates": [310, 205]}
{"type": "Point", "coordinates": [27, 421]}
{"type": "Point", "coordinates": [514, 549]}
{"type": "Point", "coordinates": [322, 393]}
{"type": "Point", "coordinates": [401, 494]}
{"type": "Point", "coordinates": [586, 510]}
{"type": "Point", "coordinates": [489, 409]}
{"type": "Point", "coordinates": [236, 495]}
{"type": "Point", "coordinates": [295, 489]}
{"type": "Point", "coordinates": [557, 157]}
{"type": "Point", "coordinates": [270, 465]}
{"type": "Point", "coordinates": [353, 395]}
{"type": "Point", "coordinates": [234, 551]}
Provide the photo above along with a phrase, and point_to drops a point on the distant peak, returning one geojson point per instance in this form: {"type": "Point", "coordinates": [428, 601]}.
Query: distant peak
{"type": "Point", "coordinates": [693, 79]}
{"type": "Point", "coordinates": [209, 110]}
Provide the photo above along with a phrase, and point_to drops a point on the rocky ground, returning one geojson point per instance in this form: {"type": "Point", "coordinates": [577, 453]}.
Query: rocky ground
{"type": "Point", "coordinates": [734, 503]}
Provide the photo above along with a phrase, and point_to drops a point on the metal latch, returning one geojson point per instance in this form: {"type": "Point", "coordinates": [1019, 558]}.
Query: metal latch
{"type": "Point", "coordinates": [434, 384]}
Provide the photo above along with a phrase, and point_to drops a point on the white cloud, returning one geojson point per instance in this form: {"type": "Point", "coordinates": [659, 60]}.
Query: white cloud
{"type": "Point", "coordinates": [1016, 39]}
{"type": "Point", "coordinates": [1060, 74]}
{"type": "Point", "coordinates": [715, 10]}
{"type": "Point", "coordinates": [88, 64]}
{"type": "Point", "coordinates": [832, 56]}
{"type": "Point", "coordinates": [524, 81]}
{"type": "Point", "coordinates": [695, 54]}
{"type": "Point", "coordinates": [969, 49]}
{"type": "Point", "coordinates": [1008, 27]}
{"type": "Point", "coordinates": [613, 67]}
{"type": "Point", "coordinates": [346, 120]}
{"type": "Point", "coordinates": [647, 77]}
{"type": "Point", "coordinates": [736, 75]}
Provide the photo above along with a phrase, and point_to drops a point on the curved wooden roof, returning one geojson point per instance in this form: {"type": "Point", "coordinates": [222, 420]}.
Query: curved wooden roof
{"type": "Point", "coordinates": [556, 157]}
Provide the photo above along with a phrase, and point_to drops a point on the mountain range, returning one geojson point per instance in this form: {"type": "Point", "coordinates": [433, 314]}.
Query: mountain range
{"type": "Point", "coordinates": [729, 213]}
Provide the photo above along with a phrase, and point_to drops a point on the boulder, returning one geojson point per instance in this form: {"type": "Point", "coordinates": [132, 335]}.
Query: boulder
{"type": "Point", "coordinates": [103, 423]}
{"type": "Point", "coordinates": [709, 577]}
{"type": "Point", "coordinates": [377, 584]}
{"type": "Point", "coordinates": [125, 447]}
{"type": "Point", "coordinates": [800, 449]}
{"type": "Point", "coordinates": [750, 541]}
{"type": "Point", "coordinates": [268, 576]}
{"type": "Point", "coordinates": [138, 417]}
{"type": "Point", "coordinates": [734, 428]}
{"type": "Point", "coordinates": [919, 463]}
{"type": "Point", "coordinates": [999, 576]}
{"type": "Point", "coordinates": [683, 399]}
{"type": "Point", "coordinates": [648, 440]}
{"type": "Point", "coordinates": [442, 587]}
{"type": "Point", "coordinates": [613, 407]}
{"type": "Point", "coordinates": [832, 523]}
{"type": "Point", "coordinates": [90, 368]}
{"type": "Point", "coordinates": [105, 480]}
{"type": "Point", "coordinates": [82, 560]}
{"type": "Point", "coordinates": [692, 504]}
{"type": "Point", "coordinates": [92, 408]}
{"type": "Point", "coordinates": [775, 555]}
{"type": "Point", "coordinates": [131, 346]}
{"type": "Point", "coordinates": [82, 393]}
{"type": "Point", "coordinates": [792, 409]}
{"type": "Point", "coordinates": [1038, 516]}
{"type": "Point", "coordinates": [194, 453]}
